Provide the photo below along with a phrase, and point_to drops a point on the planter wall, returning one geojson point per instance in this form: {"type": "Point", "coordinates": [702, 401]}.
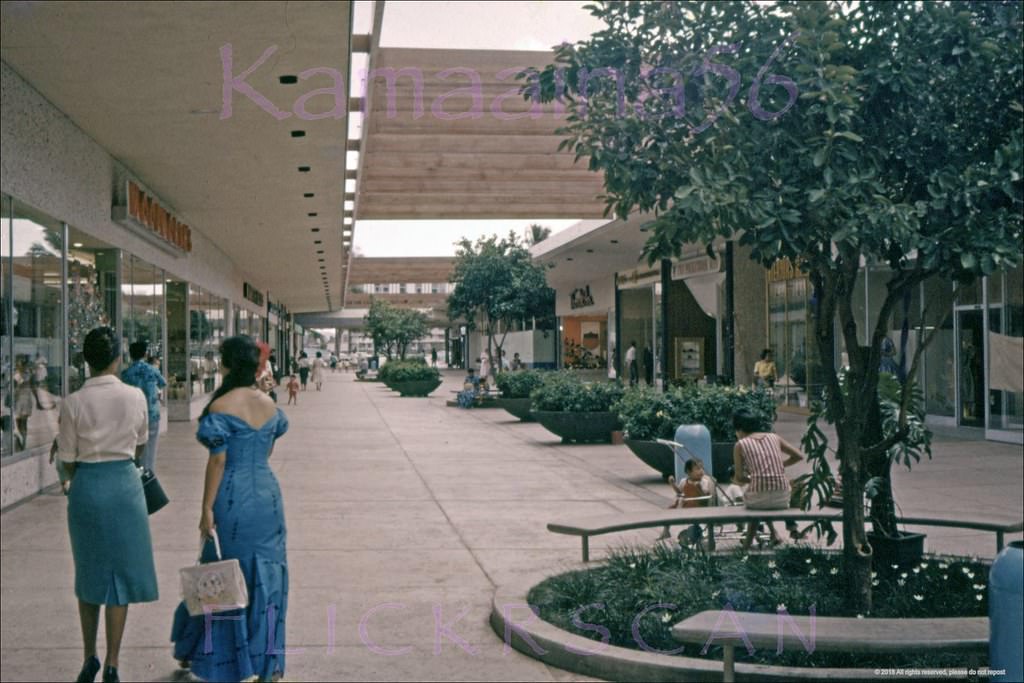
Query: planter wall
{"type": "Point", "coordinates": [659, 456]}
{"type": "Point", "coordinates": [579, 427]}
{"type": "Point", "coordinates": [518, 407]}
{"type": "Point", "coordinates": [415, 388]}
{"type": "Point", "coordinates": [905, 550]}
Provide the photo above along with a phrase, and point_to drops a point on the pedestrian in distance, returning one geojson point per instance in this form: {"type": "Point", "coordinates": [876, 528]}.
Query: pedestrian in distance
{"type": "Point", "coordinates": [293, 390]}
{"type": "Point", "coordinates": [433, 357]}
{"type": "Point", "coordinates": [103, 431]}
{"type": "Point", "coordinates": [634, 374]}
{"type": "Point", "coordinates": [765, 372]}
{"type": "Point", "coordinates": [147, 378]}
{"type": "Point", "coordinates": [317, 370]}
{"type": "Point", "coordinates": [239, 427]}
{"type": "Point", "coordinates": [303, 369]}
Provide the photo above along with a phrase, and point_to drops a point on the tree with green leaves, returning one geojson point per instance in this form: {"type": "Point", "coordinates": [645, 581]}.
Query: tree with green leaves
{"type": "Point", "coordinates": [497, 283]}
{"type": "Point", "coordinates": [392, 329]}
{"type": "Point", "coordinates": [831, 134]}
{"type": "Point", "coordinates": [537, 233]}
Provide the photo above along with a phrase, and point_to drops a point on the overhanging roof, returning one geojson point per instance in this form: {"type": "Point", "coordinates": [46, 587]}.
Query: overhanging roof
{"type": "Point", "coordinates": [420, 161]}
{"type": "Point", "coordinates": [144, 79]}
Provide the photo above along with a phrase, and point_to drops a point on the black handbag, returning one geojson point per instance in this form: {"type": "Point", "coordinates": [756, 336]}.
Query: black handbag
{"type": "Point", "coordinates": [155, 496]}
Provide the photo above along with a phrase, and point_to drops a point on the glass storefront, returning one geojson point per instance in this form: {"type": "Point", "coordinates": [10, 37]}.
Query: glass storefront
{"type": "Point", "coordinates": [640, 320]}
{"type": "Point", "coordinates": [142, 292]}
{"type": "Point", "coordinates": [1005, 352]}
{"type": "Point", "coordinates": [206, 332]}
{"type": "Point", "coordinates": [33, 327]}
{"type": "Point", "coordinates": [790, 335]}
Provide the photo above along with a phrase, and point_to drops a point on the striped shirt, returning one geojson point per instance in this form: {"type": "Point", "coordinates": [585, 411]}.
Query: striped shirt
{"type": "Point", "coordinates": [762, 460]}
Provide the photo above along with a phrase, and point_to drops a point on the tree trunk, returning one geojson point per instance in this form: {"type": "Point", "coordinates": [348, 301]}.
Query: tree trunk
{"type": "Point", "coordinates": [883, 508]}
{"type": "Point", "coordinates": [856, 551]}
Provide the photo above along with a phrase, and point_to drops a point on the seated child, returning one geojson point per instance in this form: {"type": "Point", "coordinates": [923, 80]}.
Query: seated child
{"type": "Point", "coordinates": [695, 492]}
{"type": "Point", "coordinates": [470, 389]}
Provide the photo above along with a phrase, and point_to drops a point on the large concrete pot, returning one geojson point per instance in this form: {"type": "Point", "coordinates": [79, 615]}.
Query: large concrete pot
{"type": "Point", "coordinates": [904, 550]}
{"type": "Point", "coordinates": [421, 387]}
{"type": "Point", "coordinates": [518, 407]}
{"type": "Point", "coordinates": [657, 455]}
{"type": "Point", "coordinates": [579, 427]}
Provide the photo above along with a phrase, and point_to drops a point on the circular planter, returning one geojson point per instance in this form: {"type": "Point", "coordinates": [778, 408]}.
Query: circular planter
{"type": "Point", "coordinates": [518, 407]}
{"type": "Point", "coordinates": [657, 455]}
{"type": "Point", "coordinates": [421, 387]}
{"type": "Point", "coordinates": [579, 427]}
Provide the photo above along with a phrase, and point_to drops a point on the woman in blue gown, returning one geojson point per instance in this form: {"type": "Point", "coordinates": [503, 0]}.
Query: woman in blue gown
{"type": "Point", "coordinates": [242, 501]}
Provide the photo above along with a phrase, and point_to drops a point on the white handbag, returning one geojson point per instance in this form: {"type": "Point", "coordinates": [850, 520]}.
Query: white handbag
{"type": "Point", "coordinates": [215, 586]}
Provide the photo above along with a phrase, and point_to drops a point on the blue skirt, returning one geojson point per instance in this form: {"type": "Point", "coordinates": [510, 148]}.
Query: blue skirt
{"type": "Point", "coordinates": [110, 539]}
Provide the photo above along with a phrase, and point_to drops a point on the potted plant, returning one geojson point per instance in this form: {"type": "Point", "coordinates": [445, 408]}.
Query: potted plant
{"type": "Point", "coordinates": [646, 415]}
{"type": "Point", "coordinates": [515, 390]}
{"type": "Point", "coordinates": [410, 378]}
{"type": "Point", "coordinates": [575, 410]}
{"type": "Point", "coordinates": [713, 406]}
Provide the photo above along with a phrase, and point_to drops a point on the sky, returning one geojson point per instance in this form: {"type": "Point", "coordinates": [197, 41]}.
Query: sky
{"type": "Point", "coordinates": [525, 25]}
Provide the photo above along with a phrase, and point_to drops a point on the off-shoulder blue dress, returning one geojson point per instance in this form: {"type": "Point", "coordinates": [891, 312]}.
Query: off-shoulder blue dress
{"type": "Point", "coordinates": [249, 514]}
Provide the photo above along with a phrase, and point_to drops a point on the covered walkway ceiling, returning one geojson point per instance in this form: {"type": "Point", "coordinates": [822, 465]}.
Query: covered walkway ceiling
{"type": "Point", "coordinates": [145, 79]}
{"type": "Point", "coordinates": [420, 161]}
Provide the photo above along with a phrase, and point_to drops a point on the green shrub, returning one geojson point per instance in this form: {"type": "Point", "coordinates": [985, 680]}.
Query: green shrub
{"type": "Point", "coordinates": [564, 391]}
{"type": "Point", "coordinates": [407, 371]}
{"type": "Point", "coordinates": [646, 414]}
{"type": "Point", "coordinates": [519, 384]}
{"type": "Point", "coordinates": [714, 405]}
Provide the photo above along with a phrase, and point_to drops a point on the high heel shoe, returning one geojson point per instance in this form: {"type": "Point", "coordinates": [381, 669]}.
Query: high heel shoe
{"type": "Point", "coordinates": [110, 675]}
{"type": "Point", "coordinates": [90, 668]}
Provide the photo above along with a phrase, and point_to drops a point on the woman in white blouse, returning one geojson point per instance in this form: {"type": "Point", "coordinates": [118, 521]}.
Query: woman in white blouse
{"type": "Point", "coordinates": [103, 431]}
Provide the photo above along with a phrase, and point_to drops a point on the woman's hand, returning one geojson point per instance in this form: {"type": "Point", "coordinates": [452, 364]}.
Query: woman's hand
{"type": "Point", "coordinates": [206, 523]}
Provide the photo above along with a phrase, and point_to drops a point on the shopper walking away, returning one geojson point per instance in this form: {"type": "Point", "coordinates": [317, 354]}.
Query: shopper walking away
{"type": "Point", "coordinates": [103, 431]}
{"type": "Point", "coordinates": [242, 499]}
{"type": "Point", "coordinates": [317, 370]}
{"type": "Point", "coordinates": [144, 376]}
{"type": "Point", "coordinates": [303, 369]}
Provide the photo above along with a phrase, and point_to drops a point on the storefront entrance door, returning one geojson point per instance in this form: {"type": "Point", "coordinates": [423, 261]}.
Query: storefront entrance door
{"type": "Point", "coordinates": [971, 382]}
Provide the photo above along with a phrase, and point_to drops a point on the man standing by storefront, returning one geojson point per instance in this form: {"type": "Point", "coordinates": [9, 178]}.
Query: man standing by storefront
{"type": "Point", "coordinates": [631, 364]}
{"type": "Point", "coordinates": [146, 377]}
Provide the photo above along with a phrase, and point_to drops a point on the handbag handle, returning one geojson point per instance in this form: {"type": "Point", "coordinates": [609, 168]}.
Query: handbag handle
{"type": "Point", "coordinates": [202, 544]}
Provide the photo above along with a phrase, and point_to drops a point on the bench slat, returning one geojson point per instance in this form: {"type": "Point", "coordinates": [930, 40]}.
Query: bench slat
{"type": "Point", "coordinates": [844, 634]}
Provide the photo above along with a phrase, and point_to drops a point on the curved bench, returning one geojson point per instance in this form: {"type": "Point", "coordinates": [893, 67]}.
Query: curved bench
{"type": "Point", "coordinates": [837, 634]}
{"type": "Point", "coordinates": [598, 526]}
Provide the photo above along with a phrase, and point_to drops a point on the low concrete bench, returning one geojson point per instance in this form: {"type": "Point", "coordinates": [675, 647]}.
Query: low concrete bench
{"type": "Point", "coordinates": [729, 628]}
{"type": "Point", "coordinates": [607, 524]}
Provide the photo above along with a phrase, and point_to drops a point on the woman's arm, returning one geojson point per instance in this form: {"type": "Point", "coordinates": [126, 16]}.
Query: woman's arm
{"type": "Point", "coordinates": [739, 475]}
{"type": "Point", "coordinates": [795, 456]}
{"type": "Point", "coordinates": [214, 474]}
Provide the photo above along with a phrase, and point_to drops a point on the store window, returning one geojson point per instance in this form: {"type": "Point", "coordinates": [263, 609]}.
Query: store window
{"type": "Point", "coordinates": [790, 335]}
{"type": "Point", "coordinates": [638, 313]}
{"type": "Point", "coordinates": [1005, 351]}
{"type": "Point", "coordinates": [33, 356]}
{"type": "Point", "coordinates": [940, 354]}
{"type": "Point", "coordinates": [143, 305]}
{"type": "Point", "coordinates": [7, 304]}
{"type": "Point", "coordinates": [93, 295]}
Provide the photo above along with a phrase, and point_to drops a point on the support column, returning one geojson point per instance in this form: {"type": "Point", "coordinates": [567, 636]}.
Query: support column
{"type": "Point", "coordinates": [666, 286]}
{"type": "Point", "coordinates": [728, 325]}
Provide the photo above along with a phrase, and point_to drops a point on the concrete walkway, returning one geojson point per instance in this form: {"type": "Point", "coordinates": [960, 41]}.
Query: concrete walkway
{"type": "Point", "coordinates": [404, 515]}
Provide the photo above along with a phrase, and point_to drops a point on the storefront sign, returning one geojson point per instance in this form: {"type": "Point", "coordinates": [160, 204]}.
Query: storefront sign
{"type": "Point", "coordinates": [148, 217]}
{"type": "Point", "coordinates": [252, 294]}
{"type": "Point", "coordinates": [639, 277]}
{"type": "Point", "coordinates": [783, 269]}
{"type": "Point", "coordinates": [581, 298]}
{"type": "Point", "coordinates": [692, 267]}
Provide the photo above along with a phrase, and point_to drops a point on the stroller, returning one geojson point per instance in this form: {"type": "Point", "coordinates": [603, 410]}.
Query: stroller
{"type": "Point", "coordinates": [717, 496]}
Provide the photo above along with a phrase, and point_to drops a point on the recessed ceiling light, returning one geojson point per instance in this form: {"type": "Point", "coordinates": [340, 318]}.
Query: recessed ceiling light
{"type": "Point", "coordinates": [317, 241]}
{"type": "Point", "coordinates": [346, 233]}
{"type": "Point", "coordinates": [311, 215]}
{"type": "Point", "coordinates": [77, 245]}
{"type": "Point", "coordinates": [314, 229]}
{"type": "Point", "coordinates": [303, 169]}
{"type": "Point", "coordinates": [590, 251]}
{"type": "Point", "coordinates": [298, 133]}
{"type": "Point", "coordinates": [319, 251]}
{"type": "Point", "coordinates": [288, 79]}
{"type": "Point", "coordinates": [568, 258]}
{"type": "Point", "coordinates": [307, 195]}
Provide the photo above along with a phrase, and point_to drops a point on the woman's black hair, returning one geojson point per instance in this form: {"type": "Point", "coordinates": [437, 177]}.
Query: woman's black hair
{"type": "Point", "coordinates": [241, 357]}
{"type": "Point", "coordinates": [101, 348]}
{"type": "Point", "coordinates": [745, 421]}
{"type": "Point", "coordinates": [764, 354]}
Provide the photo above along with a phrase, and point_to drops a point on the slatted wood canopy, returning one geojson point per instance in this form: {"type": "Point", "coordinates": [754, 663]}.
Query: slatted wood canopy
{"type": "Point", "coordinates": [448, 136]}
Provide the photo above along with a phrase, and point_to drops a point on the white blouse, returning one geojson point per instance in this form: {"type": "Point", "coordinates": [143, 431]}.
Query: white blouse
{"type": "Point", "coordinates": [104, 420]}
